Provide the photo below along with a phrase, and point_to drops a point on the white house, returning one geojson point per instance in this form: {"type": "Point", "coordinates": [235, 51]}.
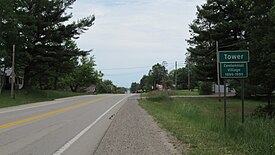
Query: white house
{"type": "Point", "coordinates": [6, 76]}
{"type": "Point", "coordinates": [216, 89]}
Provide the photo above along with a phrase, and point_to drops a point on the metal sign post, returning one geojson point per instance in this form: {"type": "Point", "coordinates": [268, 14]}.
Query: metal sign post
{"type": "Point", "coordinates": [242, 100]}
{"type": "Point", "coordinates": [224, 103]}
{"type": "Point", "coordinates": [233, 65]}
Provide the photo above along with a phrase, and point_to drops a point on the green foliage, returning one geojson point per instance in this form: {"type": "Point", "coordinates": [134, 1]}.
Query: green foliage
{"type": "Point", "coordinates": [158, 74]}
{"type": "Point", "coordinates": [83, 75]}
{"type": "Point", "coordinates": [158, 96]}
{"type": "Point", "coordinates": [146, 83]}
{"type": "Point", "coordinates": [135, 87]}
{"type": "Point", "coordinates": [106, 86]}
{"type": "Point", "coordinates": [265, 112]}
{"type": "Point", "coordinates": [41, 35]}
{"type": "Point", "coordinates": [198, 124]}
{"type": "Point", "coordinates": [121, 90]}
{"type": "Point", "coordinates": [205, 88]}
{"type": "Point", "coordinates": [192, 92]}
{"type": "Point", "coordinates": [248, 89]}
{"type": "Point", "coordinates": [236, 24]}
{"type": "Point", "coordinates": [182, 78]}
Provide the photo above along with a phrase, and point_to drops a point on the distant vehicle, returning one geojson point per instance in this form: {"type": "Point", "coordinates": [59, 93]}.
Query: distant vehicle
{"type": "Point", "coordinates": [139, 91]}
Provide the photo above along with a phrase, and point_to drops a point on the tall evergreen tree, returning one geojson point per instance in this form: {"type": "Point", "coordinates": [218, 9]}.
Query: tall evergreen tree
{"type": "Point", "coordinates": [236, 24]}
{"type": "Point", "coordinates": [262, 45]}
{"type": "Point", "coordinates": [217, 20]}
{"type": "Point", "coordinates": [41, 36]}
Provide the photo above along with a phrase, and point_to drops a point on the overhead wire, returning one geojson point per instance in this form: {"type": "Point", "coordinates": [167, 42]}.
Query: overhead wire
{"type": "Point", "coordinates": [126, 68]}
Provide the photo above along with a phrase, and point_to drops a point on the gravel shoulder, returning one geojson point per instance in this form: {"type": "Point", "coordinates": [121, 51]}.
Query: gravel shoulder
{"type": "Point", "coordinates": [133, 131]}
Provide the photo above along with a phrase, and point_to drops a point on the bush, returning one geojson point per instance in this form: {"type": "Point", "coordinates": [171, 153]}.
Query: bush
{"type": "Point", "coordinates": [158, 96]}
{"type": "Point", "coordinates": [265, 111]}
{"type": "Point", "coordinates": [205, 88]}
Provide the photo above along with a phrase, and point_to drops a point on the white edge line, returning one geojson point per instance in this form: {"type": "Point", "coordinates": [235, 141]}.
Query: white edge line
{"type": "Point", "coordinates": [73, 140]}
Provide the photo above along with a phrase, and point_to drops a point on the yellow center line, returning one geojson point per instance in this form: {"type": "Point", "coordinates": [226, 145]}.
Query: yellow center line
{"type": "Point", "coordinates": [50, 113]}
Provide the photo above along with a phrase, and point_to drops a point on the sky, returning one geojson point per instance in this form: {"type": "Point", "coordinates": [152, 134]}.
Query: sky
{"type": "Point", "coordinates": [130, 36]}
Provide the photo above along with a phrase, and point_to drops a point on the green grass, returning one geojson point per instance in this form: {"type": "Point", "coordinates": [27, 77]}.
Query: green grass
{"type": "Point", "coordinates": [24, 97]}
{"type": "Point", "coordinates": [198, 123]}
{"type": "Point", "coordinates": [193, 92]}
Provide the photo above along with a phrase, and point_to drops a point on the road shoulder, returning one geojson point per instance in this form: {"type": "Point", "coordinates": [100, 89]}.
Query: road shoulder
{"type": "Point", "coordinates": [134, 131]}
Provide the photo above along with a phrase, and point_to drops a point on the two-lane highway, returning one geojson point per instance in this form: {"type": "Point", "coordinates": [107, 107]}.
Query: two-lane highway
{"type": "Point", "coordinates": [71, 126]}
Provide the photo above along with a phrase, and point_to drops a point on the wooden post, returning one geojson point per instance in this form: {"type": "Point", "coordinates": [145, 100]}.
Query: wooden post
{"type": "Point", "coordinates": [13, 73]}
{"type": "Point", "coordinates": [218, 69]}
{"type": "Point", "coordinates": [176, 74]}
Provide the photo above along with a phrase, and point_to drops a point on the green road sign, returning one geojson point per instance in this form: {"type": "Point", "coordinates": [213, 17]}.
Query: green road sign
{"type": "Point", "coordinates": [234, 56]}
{"type": "Point", "coordinates": [234, 70]}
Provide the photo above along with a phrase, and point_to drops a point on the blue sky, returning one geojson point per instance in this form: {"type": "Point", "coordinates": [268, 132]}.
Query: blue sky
{"type": "Point", "coordinates": [129, 36]}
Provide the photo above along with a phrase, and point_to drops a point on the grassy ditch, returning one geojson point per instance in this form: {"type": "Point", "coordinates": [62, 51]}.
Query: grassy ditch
{"type": "Point", "coordinates": [198, 123]}
{"type": "Point", "coordinates": [155, 94]}
{"type": "Point", "coordinates": [23, 97]}
{"type": "Point", "coordinates": [193, 92]}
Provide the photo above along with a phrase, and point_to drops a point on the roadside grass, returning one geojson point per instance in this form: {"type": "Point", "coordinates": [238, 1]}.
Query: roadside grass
{"type": "Point", "coordinates": [193, 92]}
{"type": "Point", "coordinates": [24, 97]}
{"type": "Point", "coordinates": [198, 124]}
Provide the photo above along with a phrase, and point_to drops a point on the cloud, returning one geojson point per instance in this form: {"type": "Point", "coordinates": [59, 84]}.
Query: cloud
{"type": "Point", "coordinates": [136, 33]}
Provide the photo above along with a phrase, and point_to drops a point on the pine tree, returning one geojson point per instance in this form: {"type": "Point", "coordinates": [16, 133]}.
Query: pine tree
{"type": "Point", "coordinates": [41, 35]}
{"type": "Point", "coordinates": [237, 25]}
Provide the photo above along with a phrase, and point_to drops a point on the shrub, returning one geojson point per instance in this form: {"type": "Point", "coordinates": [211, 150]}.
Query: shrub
{"type": "Point", "coordinates": [158, 96]}
{"type": "Point", "coordinates": [205, 88]}
{"type": "Point", "coordinates": [265, 111]}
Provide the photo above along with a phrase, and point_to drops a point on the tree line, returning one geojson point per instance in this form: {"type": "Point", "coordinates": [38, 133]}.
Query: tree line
{"type": "Point", "coordinates": [158, 77]}
{"type": "Point", "coordinates": [236, 25]}
{"type": "Point", "coordinates": [47, 56]}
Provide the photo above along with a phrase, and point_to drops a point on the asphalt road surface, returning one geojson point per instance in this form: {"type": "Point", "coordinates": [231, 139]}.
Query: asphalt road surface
{"type": "Point", "coordinates": [71, 126]}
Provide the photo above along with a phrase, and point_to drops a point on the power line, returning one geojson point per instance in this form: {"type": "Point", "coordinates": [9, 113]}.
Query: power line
{"type": "Point", "coordinates": [171, 68]}
{"type": "Point", "coordinates": [123, 74]}
{"type": "Point", "coordinates": [126, 68]}
{"type": "Point", "coordinates": [233, 44]}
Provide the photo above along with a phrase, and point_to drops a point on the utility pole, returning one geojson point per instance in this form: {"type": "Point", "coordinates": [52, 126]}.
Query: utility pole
{"type": "Point", "coordinates": [13, 73]}
{"type": "Point", "coordinates": [218, 69]}
{"type": "Point", "coordinates": [224, 104]}
{"type": "Point", "coordinates": [165, 64]}
{"type": "Point", "coordinates": [189, 80]}
{"type": "Point", "coordinates": [176, 74]}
